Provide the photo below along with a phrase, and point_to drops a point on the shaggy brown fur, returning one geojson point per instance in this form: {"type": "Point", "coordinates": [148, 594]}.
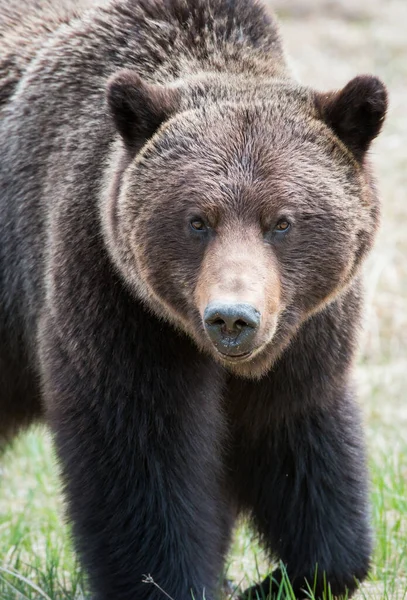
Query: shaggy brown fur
{"type": "Point", "coordinates": [25, 27]}
{"type": "Point", "coordinates": [182, 227]}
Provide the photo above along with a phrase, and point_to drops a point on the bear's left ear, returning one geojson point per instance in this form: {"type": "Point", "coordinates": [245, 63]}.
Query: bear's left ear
{"type": "Point", "coordinates": [139, 108]}
{"type": "Point", "coordinates": [356, 113]}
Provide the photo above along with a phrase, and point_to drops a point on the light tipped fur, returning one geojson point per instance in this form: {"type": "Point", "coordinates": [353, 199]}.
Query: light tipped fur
{"type": "Point", "coordinates": [124, 127]}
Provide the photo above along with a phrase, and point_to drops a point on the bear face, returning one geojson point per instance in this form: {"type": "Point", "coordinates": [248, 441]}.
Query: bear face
{"type": "Point", "coordinates": [236, 221]}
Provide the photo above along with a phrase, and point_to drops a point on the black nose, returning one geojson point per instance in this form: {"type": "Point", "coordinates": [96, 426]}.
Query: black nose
{"type": "Point", "coordinates": [232, 328]}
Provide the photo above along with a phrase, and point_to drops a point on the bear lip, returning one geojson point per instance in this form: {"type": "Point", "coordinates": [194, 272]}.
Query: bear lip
{"type": "Point", "coordinates": [235, 357]}
{"type": "Point", "coordinates": [241, 357]}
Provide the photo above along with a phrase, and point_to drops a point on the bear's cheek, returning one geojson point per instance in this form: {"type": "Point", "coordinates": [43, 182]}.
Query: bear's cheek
{"type": "Point", "coordinates": [168, 264]}
{"type": "Point", "coordinates": [316, 269]}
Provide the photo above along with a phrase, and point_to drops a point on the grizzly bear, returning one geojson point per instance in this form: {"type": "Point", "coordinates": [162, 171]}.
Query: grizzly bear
{"type": "Point", "coordinates": [182, 227]}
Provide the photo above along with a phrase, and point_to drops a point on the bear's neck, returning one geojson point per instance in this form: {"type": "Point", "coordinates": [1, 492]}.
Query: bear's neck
{"type": "Point", "coordinates": [181, 38]}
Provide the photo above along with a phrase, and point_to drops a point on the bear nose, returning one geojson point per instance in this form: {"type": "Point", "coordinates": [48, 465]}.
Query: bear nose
{"type": "Point", "coordinates": [232, 328]}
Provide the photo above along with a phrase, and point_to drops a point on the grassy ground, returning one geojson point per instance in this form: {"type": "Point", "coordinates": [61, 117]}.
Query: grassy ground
{"type": "Point", "coordinates": [329, 42]}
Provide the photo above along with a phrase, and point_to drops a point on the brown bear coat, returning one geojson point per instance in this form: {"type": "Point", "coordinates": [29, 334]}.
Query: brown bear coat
{"type": "Point", "coordinates": [182, 226]}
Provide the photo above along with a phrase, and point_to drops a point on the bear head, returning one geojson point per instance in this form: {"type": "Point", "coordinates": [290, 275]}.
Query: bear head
{"type": "Point", "coordinates": [236, 209]}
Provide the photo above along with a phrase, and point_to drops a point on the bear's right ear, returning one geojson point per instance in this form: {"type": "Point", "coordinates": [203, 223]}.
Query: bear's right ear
{"type": "Point", "coordinates": [139, 108]}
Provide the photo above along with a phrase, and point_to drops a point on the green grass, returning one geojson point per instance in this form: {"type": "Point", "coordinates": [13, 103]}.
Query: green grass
{"type": "Point", "coordinates": [36, 556]}
{"type": "Point", "coordinates": [37, 560]}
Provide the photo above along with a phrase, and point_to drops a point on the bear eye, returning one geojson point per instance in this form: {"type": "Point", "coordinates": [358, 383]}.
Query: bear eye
{"type": "Point", "coordinates": [282, 226]}
{"type": "Point", "coordinates": [197, 224]}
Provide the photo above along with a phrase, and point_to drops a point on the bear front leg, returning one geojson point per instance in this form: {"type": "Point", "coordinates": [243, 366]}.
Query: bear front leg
{"type": "Point", "coordinates": [302, 477]}
{"type": "Point", "coordinates": [137, 438]}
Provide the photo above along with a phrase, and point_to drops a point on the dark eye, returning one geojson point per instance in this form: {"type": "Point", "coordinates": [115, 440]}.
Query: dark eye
{"type": "Point", "coordinates": [282, 226]}
{"type": "Point", "coordinates": [197, 224]}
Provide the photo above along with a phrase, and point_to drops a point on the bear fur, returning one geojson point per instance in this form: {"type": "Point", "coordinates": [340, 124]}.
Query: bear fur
{"type": "Point", "coordinates": [157, 156]}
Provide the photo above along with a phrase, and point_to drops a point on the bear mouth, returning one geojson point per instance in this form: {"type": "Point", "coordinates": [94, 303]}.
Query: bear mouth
{"type": "Point", "coordinates": [243, 357]}
{"type": "Point", "coordinates": [235, 357]}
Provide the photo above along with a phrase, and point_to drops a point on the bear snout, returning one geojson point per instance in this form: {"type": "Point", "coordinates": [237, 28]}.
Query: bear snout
{"type": "Point", "coordinates": [232, 328]}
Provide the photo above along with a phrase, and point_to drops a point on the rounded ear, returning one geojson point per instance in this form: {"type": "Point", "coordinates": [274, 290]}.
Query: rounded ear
{"type": "Point", "coordinates": [356, 113]}
{"type": "Point", "coordinates": [139, 108]}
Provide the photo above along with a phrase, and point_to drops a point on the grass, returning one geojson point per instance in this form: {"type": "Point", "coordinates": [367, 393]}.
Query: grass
{"type": "Point", "coordinates": [329, 41]}
{"type": "Point", "coordinates": [37, 561]}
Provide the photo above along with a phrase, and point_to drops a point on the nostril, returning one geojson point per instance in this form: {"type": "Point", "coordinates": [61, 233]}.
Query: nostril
{"type": "Point", "coordinates": [219, 322]}
{"type": "Point", "coordinates": [240, 324]}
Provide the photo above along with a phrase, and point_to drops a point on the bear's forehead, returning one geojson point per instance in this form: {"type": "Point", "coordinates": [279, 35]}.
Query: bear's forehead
{"type": "Point", "coordinates": [249, 148]}
{"type": "Point", "coordinates": [244, 138]}
{"type": "Point", "coordinates": [245, 158]}
{"type": "Point", "coordinates": [238, 187]}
